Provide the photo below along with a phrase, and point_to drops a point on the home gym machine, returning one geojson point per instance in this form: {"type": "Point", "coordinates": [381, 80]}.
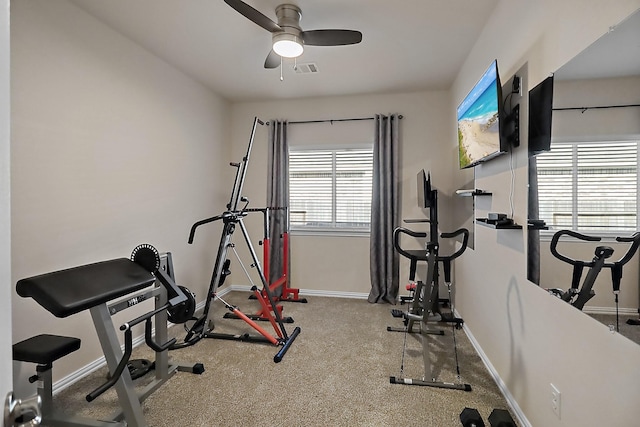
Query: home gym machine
{"type": "Point", "coordinates": [104, 288]}
{"type": "Point", "coordinates": [578, 295]}
{"type": "Point", "coordinates": [279, 287]}
{"type": "Point", "coordinates": [232, 218]}
{"type": "Point", "coordinates": [425, 305]}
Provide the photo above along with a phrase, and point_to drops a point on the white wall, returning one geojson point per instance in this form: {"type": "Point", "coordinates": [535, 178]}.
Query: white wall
{"type": "Point", "coordinates": [531, 338]}
{"type": "Point", "coordinates": [111, 147]}
{"type": "Point", "coordinates": [341, 264]}
{"type": "Point", "coordinates": [5, 203]}
{"type": "Point", "coordinates": [593, 123]}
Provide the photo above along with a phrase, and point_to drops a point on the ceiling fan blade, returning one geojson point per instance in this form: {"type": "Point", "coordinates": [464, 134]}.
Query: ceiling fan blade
{"type": "Point", "coordinates": [273, 60]}
{"type": "Point", "coordinates": [253, 15]}
{"type": "Point", "coordinates": [331, 37]}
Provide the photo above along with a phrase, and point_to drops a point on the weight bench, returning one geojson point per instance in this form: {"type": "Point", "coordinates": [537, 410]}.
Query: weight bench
{"type": "Point", "coordinates": [91, 287]}
{"type": "Point", "coordinates": [44, 350]}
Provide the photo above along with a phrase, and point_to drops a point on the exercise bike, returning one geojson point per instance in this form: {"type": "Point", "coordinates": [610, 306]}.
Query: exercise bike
{"type": "Point", "coordinates": [424, 303]}
{"type": "Point", "coordinates": [433, 303]}
{"type": "Point", "coordinates": [578, 295]}
{"type": "Point", "coordinates": [425, 306]}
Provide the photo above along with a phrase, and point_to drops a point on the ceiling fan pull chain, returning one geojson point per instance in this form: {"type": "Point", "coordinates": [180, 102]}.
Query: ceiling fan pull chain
{"type": "Point", "coordinates": [281, 78]}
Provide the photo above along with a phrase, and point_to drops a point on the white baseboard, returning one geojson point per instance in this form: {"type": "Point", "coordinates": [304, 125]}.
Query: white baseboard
{"type": "Point", "coordinates": [511, 401]}
{"type": "Point", "coordinates": [307, 292]}
{"type": "Point", "coordinates": [610, 310]}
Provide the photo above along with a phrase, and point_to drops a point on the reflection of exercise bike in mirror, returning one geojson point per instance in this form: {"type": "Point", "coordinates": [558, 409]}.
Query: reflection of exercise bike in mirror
{"type": "Point", "coordinates": [578, 295]}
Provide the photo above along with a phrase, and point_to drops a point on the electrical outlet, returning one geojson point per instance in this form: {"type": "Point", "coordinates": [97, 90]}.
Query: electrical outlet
{"type": "Point", "coordinates": [555, 400]}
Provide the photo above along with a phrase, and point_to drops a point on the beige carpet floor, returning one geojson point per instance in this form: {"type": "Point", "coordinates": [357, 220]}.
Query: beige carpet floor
{"type": "Point", "coordinates": [335, 374]}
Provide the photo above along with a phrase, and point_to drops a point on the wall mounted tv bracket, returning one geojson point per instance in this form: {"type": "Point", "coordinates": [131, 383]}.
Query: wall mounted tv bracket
{"type": "Point", "coordinates": [511, 125]}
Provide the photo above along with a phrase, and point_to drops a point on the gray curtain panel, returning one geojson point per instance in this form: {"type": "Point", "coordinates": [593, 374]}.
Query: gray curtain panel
{"type": "Point", "coordinates": [533, 236]}
{"type": "Point", "coordinates": [277, 196]}
{"type": "Point", "coordinates": [385, 202]}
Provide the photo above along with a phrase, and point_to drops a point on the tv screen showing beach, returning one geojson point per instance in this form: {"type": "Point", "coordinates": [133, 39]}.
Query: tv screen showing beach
{"type": "Point", "coordinates": [478, 120]}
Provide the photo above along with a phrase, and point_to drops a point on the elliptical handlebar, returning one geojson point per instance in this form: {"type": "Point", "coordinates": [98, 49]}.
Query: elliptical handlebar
{"type": "Point", "coordinates": [465, 242]}
{"type": "Point", "coordinates": [192, 233]}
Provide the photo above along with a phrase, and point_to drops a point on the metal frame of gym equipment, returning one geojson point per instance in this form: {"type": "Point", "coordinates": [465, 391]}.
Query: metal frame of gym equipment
{"type": "Point", "coordinates": [286, 293]}
{"type": "Point", "coordinates": [232, 218]}
{"type": "Point", "coordinates": [577, 295]}
{"type": "Point", "coordinates": [425, 295]}
{"type": "Point", "coordinates": [280, 285]}
{"type": "Point", "coordinates": [426, 301]}
{"type": "Point", "coordinates": [93, 286]}
{"type": "Point", "coordinates": [416, 307]}
{"type": "Point", "coordinates": [430, 197]}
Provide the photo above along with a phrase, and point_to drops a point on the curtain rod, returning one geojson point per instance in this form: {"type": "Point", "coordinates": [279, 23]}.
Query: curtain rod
{"type": "Point", "coordinates": [583, 109]}
{"type": "Point", "coordinates": [333, 120]}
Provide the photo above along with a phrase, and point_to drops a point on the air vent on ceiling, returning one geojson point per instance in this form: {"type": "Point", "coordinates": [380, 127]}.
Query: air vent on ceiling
{"type": "Point", "coordinates": [308, 68]}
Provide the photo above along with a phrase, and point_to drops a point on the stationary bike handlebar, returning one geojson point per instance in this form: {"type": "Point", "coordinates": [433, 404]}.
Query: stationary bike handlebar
{"type": "Point", "coordinates": [465, 242]}
{"type": "Point", "coordinates": [402, 230]}
{"type": "Point", "coordinates": [634, 239]}
{"type": "Point", "coordinates": [556, 237]}
{"type": "Point", "coordinates": [396, 239]}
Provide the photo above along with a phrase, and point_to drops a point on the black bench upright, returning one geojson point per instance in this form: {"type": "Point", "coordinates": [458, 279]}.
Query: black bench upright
{"type": "Point", "coordinates": [44, 350]}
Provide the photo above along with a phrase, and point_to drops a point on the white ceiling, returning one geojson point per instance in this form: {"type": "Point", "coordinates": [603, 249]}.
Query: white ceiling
{"type": "Point", "coordinates": [407, 45]}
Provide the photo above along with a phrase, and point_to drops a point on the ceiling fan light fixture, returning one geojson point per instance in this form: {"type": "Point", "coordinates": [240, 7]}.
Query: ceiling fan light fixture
{"type": "Point", "coordinates": [287, 45]}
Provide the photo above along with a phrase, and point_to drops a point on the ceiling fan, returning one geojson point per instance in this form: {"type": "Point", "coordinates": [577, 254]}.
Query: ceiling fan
{"type": "Point", "coordinates": [287, 36]}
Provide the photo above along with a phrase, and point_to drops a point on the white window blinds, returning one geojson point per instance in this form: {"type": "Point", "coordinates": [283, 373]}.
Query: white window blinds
{"type": "Point", "coordinates": [589, 186]}
{"type": "Point", "coordinates": [330, 188]}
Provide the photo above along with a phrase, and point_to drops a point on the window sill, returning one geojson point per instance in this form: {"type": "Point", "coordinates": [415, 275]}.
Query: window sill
{"type": "Point", "coordinates": [330, 232]}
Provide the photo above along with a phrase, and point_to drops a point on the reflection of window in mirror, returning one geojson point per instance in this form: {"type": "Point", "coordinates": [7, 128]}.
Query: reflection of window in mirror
{"type": "Point", "coordinates": [589, 186]}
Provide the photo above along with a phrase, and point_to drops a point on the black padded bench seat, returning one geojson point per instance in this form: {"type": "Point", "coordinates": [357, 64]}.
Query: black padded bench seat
{"type": "Point", "coordinates": [73, 290]}
{"type": "Point", "coordinates": [44, 349]}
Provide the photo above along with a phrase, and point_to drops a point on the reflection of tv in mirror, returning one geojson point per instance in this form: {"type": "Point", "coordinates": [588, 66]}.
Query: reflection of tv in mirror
{"type": "Point", "coordinates": [425, 193]}
{"type": "Point", "coordinates": [479, 119]}
{"type": "Point", "coordinates": [540, 113]}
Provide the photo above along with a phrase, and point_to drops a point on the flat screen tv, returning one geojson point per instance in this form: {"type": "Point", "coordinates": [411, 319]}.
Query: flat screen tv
{"type": "Point", "coordinates": [479, 121]}
{"type": "Point", "coordinates": [540, 113]}
{"type": "Point", "coordinates": [425, 193]}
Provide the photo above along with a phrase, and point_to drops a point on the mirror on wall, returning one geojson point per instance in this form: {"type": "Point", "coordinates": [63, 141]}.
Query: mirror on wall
{"type": "Point", "coordinates": [588, 180]}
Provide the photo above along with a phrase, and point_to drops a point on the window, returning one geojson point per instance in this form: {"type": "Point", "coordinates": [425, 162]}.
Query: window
{"type": "Point", "coordinates": [589, 186]}
{"type": "Point", "coordinates": [330, 189]}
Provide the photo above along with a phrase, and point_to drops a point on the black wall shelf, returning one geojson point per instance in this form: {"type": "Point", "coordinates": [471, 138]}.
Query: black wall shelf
{"type": "Point", "coordinates": [493, 223]}
{"type": "Point", "coordinates": [472, 192]}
